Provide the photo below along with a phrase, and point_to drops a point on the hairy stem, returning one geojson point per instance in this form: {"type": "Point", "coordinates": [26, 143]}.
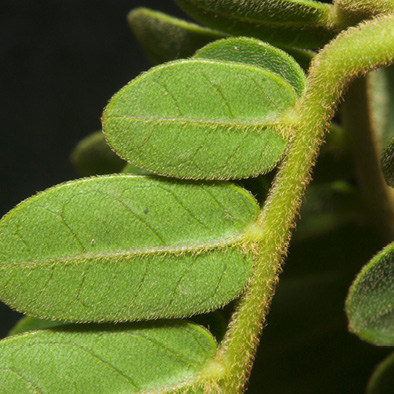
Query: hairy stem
{"type": "Point", "coordinates": [361, 139]}
{"type": "Point", "coordinates": [352, 53]}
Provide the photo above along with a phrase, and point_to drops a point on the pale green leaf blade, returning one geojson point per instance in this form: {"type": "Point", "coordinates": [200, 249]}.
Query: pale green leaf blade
{"type": "Point", "coordinates": [387, 162]}
{"type": "Point", "coordinates": [93, 156]}
{"type": "Point", "coordinates": [299, 23]}
{"type": "Point", "coordinates": [104, 359]}
{"type": "Point", "coordinates": [382, 380]}
{"type": "Point", "coordinates": [166, 38]}
{"type": "Point", "coordinates": [32, 323]}
{"type": "Point", "coordinates": [257, 53]}
{"type": "Point", "coordinates": [124, 247]}
{"type": "Point", "coordinates": [370, 303]}
{"type": "Point", "coordinates": [200, 119]}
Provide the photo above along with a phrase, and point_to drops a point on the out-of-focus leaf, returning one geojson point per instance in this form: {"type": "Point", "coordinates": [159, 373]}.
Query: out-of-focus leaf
{"type": "Point", "coordinates": [93, 156]}
{"type": "Point", "coordinates": [382, 380]}
{"type": "Point", "coordinates": [184, 119]}
{"type": "Point", "coordinates": [387, 162]}
{"type": "Point", "coordinates": [299, 23]}
{"type": "Point", "coordinates": [328, 206]}
{"type": "Point", "coordinates": [132, 169]}
{"type": "Point", "coordinates": [257, 53]}
{"type": "Point", "coordinates": [382, 94]}
{"type": "Point", "coordinates": [104, 359]}
{"type": "Point", "coordinates": [30, 323]}
{"type": "Point", "coordinates": [302, 56]}
{"type": "Point", "coordinates": [335, 161]}
{"type": "Point", "coordinates": [123, 247]}
{"type": "Point", "coordinates": [166, 38]}
{"type": "Point", "coordinates": [370, 303]}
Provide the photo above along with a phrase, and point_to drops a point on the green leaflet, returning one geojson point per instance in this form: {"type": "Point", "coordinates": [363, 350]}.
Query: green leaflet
{"type": "Point", "coordinates": [165, 38]}
{"type": "Point", "coordinates": [387, 162]}
{"type": "Point", "coordinates": [382, 380]}
{"type": "Point", "coordinates": [93, 156]}
{"type": "Point", "coordinates": [257, 53]}
{"type": "Point", "coordinates": [299, 23]}
{"type": "Point", "coordinates": [104, 359]}
{"type": "Point", "coordinates": [369, 305]}
{"type": "Point", "coordinates": [30, 323]}
{"type": "Point", "coordinates": [124, 247]}
{"type": "Point", "coordinates": [184, 119]}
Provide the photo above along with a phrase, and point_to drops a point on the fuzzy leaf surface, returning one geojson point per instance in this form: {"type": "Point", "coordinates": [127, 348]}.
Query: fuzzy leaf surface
{"type": "Point", "coordinates": [257, 53]}
{"type": "Point", "coordinates": [103, 359]}
{"type": "Point", "coordinates": [382, 380]}
{"type": "Point", "coordinates": [299, 23]}
{"type": "Point", "coordinates": [166, 38]}
{"type": "Point", "coordinates": [369, 305]}
{"type": "Point", "coordinates": [200, 119]}
{"type": "Point", "coordinates": [124, 247]}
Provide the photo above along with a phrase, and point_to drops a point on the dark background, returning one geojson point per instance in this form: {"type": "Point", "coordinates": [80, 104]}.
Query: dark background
{"type": "Point", "coordinates": [60, 62]}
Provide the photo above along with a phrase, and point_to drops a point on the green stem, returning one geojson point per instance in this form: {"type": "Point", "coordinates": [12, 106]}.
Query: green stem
{"type": "Point", "coordinates": [361, 137]}
{"type": "Point", "coordinates": [352, 53]}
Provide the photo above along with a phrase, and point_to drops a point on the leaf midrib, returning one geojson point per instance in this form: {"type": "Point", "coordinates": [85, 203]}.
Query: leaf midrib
{"type": "Point", "coordinates": [271, 121]}
{"type": "Point", "coordinates": [180, 249]}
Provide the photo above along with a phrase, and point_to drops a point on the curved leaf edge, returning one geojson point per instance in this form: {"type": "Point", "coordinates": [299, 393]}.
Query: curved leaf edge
{"type": "Point", "coordinates": [352, 326]}
{"type": "Point", "coordinates": [197, 384]}
{"type": "Point", "coordinates": [278, 125]}
{"type": "Point", "coordinates": [281, 54]}
{"type": "Point", "coordinates": [380, 374]}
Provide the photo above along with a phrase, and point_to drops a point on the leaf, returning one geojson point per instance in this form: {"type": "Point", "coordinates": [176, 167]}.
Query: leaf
{"type": "Point", "coordinates": [166, 38]}
{"type": "Point", "coordinates": [257, 53]}
{"type": "Point", "coordinates": [104, 359]}
{"type": "Point", "coordinates": [302, 56]}
{"type": "Point", "coordinates": [370, 306]}
{"type": "Point", "coordinates": [382, 380]}
{"type": "Point", "coordinates": [123, 247]}
{"type": "Point", "coordinates": [30, 323]}
{"type": "Point", "coordinates": [200, 119]}
{"type": "Point", "coordinates": [327, 207]}
{"type": "Point", "coordinates": [335, 160]}
{"type": "Point", "coordinates": [299, 23]}
{"type": "Point", "coordinates": [92, 156]}
{"type": "Point", "coordinates": [382, 100]}
{"type": "Point", "coordinates": [387, 162]}
{"type": "Point", "coordinates": [132, 169]}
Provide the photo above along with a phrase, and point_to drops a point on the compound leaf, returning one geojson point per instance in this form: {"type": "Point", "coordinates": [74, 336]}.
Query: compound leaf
{"type": "Point", "coordinates": [166, 38]}
{"type": "Point", "coordinates": [257, 53]}
{"type": "Point", "coordinates": [104, 359]}
{"type": "Point", "coordinates": [124, 247]}
{"type": "Point", "coordinates": [370, 305]}
{"type": "Point", "coordinates": [200, 119]}
{"type": "Point", "coordinates": [299, 23]}
{"type": "Point", "coordinates": [382, 380]}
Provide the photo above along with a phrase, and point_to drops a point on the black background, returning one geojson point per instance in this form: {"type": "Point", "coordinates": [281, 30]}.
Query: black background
{"type": "Point", "coordinates": [60, 62]}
